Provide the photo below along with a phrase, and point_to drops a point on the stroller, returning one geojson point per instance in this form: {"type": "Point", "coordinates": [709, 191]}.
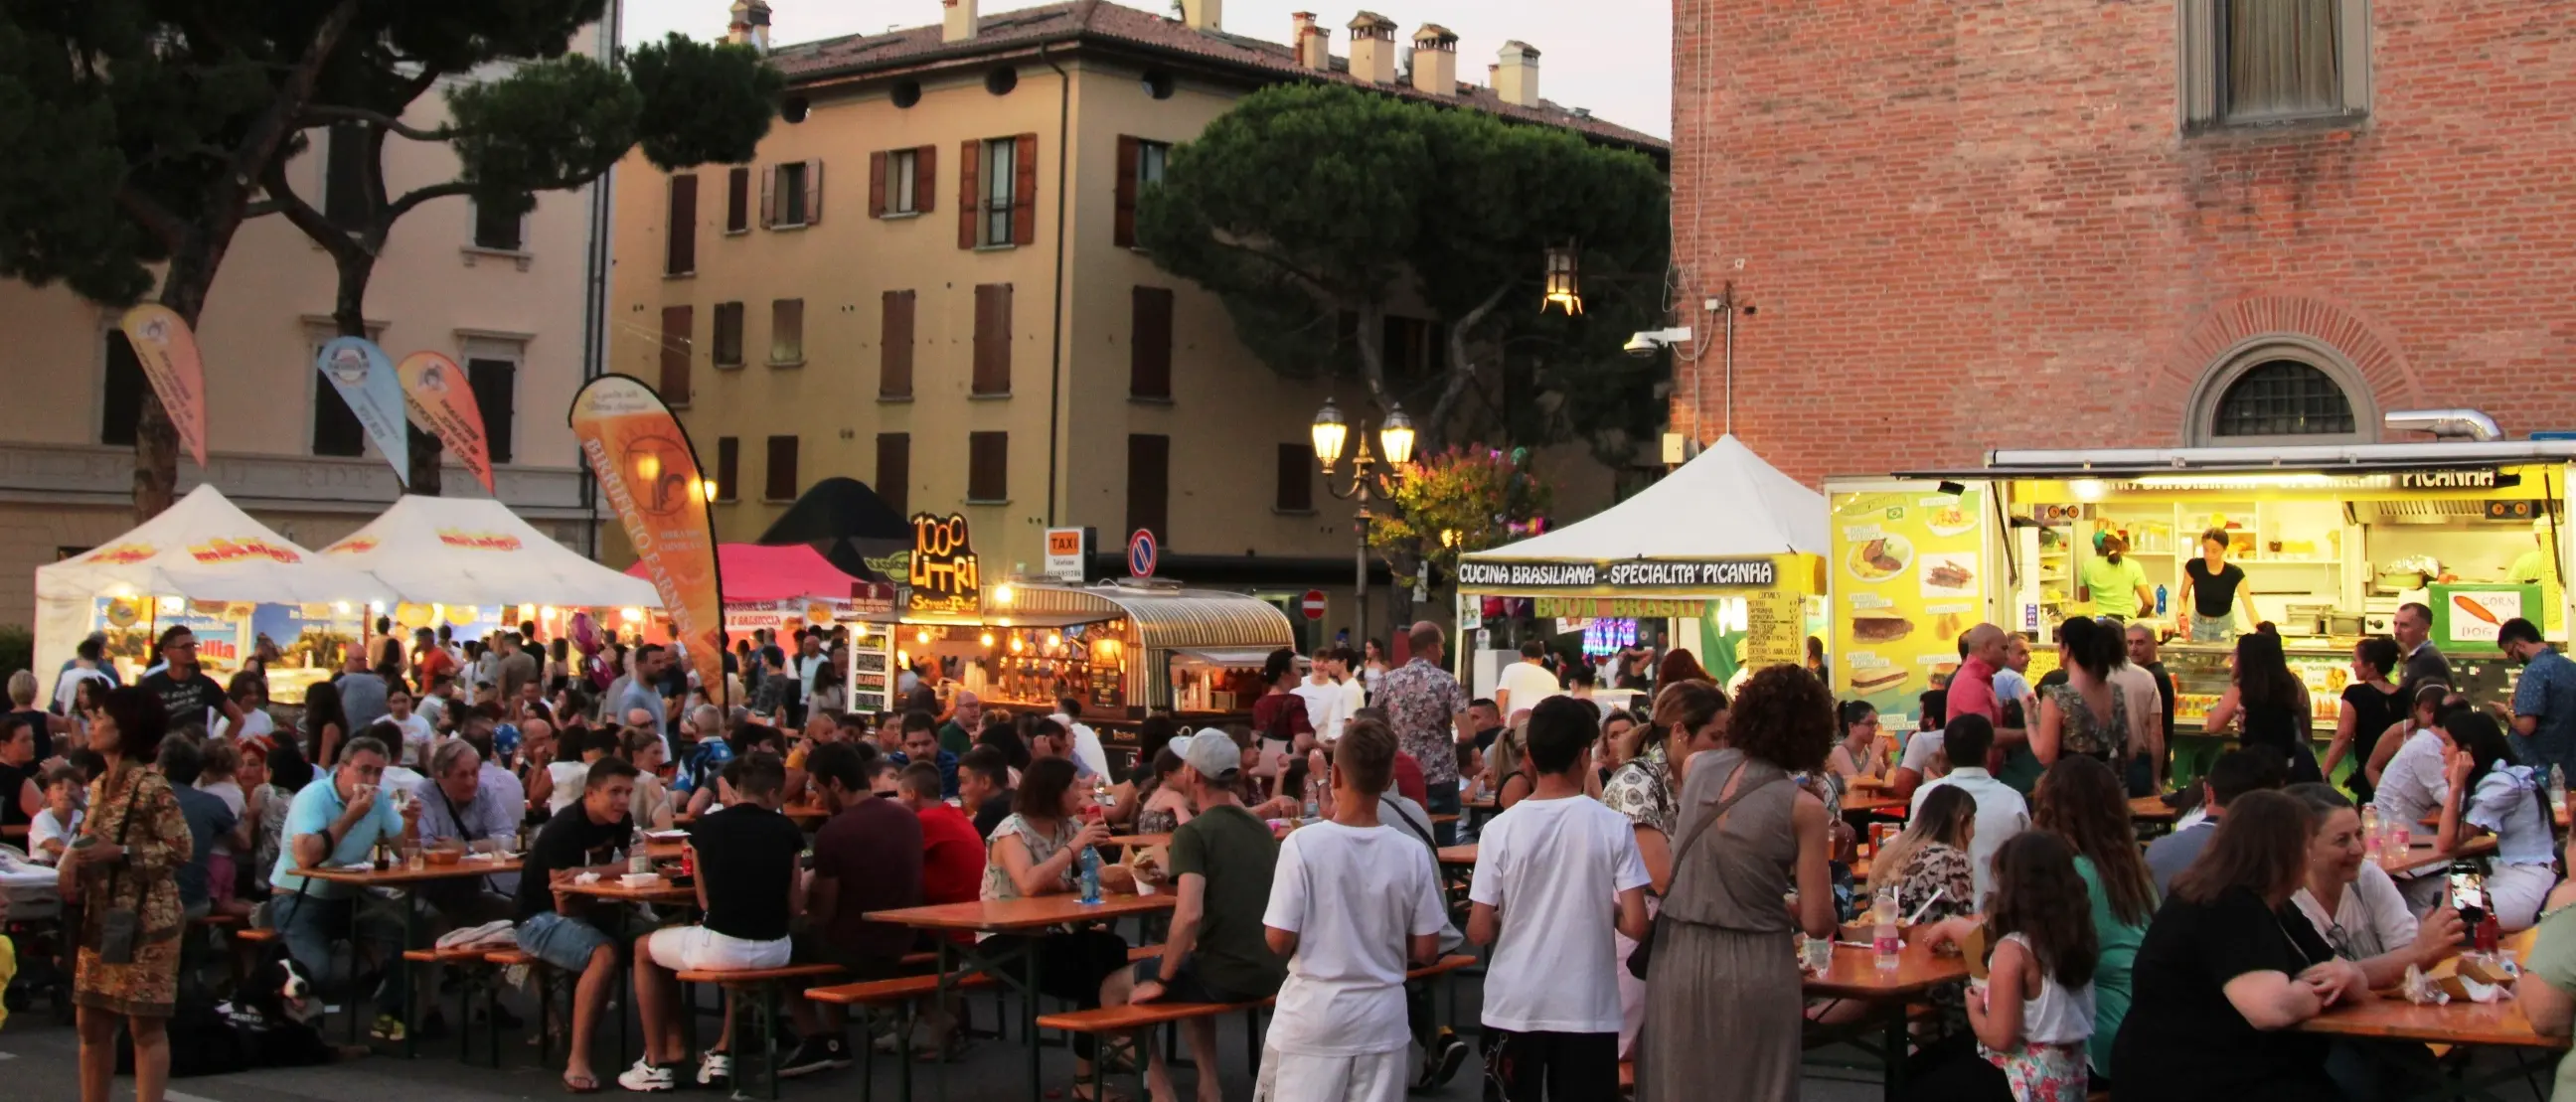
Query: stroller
{"type": "Point", "coordinates": [34, 923]}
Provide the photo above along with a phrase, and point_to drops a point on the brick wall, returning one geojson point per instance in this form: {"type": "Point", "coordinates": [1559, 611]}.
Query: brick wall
{"type": "Point", "coordinates": [1972, 224]}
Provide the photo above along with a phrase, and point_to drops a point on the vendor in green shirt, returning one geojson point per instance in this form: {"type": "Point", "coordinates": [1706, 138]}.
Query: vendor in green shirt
{"type": "Point", "coordinates": [2541, 565]}
{"type": "Point", "coordinates": [2118, 583]}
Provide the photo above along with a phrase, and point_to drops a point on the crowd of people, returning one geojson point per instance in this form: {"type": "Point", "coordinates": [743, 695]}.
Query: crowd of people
{"type": "Point", "coordinates": [2152, 970]}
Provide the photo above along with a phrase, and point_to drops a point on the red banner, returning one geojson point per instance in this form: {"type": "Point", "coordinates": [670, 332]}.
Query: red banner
{"type": "Point", "coordinates": [440, 399]}
{"type": "Point", "coordinates": [168, 353]}
{"type": "Point", "coordinates": [650, 476]}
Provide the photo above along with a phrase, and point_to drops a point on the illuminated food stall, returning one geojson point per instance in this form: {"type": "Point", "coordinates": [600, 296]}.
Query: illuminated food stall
{"type": "Point", "coordinates": [1125, 650]}
{"type": "Point", "coordinates": [2331, 541]}
{"type": "Point", "coordinates": [1723, 553]}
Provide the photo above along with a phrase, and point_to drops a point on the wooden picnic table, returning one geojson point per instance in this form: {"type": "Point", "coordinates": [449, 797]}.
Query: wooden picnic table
{"type": "Point", "coordinates": [2152, 809]}
{"type": "Point", "coordinates": [2422, 855]}
{"type": "Point", "coordinates": [1855, 974]}
{"type": "Point", "coordinates": [609, 887]}
{"type": "Point", "coordinates": [1895, 806]}
{"type": "Point", "coordinates": [1139, 841]}
{"type": "Point", "coordinates": [398, 876]}
{"type": "Point", "coordinates": [2458, 1023]}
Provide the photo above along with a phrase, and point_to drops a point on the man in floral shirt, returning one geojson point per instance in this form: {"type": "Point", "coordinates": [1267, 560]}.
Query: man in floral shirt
{"type": "Point", "coordinates": [1428, 711]}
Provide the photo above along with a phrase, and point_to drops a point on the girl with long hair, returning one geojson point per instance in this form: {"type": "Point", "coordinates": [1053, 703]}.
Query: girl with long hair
{"type": "Point", "coordinates": [2268, 705]}
{"type": "Point", "coordinates": [2035, 1013]}
{"type": "Point", "coordinates": [325, 724]}
{"type": "Point", "coordinates": [1033, 852]}
{"type": "Point", "coordinates": [2370, 705]}
{"type": "Point", "coordinates": [2086, 713]}
{"type": "Point", "coordinates": [2491, 794]}
{"type": "Point", "coordinates": [1931, 858]}
{"type": "Point", "coordinates": [1690, 717]}
{"type": "Point", "coordinates": [2081, 801]}
{"type": "Point", "coordinates": [1680, 666]}
{"type": "Point", "coordinates": [1862, 749]}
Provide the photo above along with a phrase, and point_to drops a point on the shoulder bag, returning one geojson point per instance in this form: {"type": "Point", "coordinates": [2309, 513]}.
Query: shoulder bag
{"type": "Point", "coordinates": [1643, 956]}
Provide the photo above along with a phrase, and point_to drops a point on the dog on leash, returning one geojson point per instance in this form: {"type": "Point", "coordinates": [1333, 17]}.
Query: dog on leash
{"type": "Point", "coordinates": [268, 1024]}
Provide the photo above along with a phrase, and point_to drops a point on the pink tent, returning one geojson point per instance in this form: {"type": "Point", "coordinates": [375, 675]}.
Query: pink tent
{"type": "Point", "coordinates": [753, 573]}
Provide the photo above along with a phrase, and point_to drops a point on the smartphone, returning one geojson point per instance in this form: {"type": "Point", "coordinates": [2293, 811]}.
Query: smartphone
{"type": "Point", "coordinates": [2468, 893]}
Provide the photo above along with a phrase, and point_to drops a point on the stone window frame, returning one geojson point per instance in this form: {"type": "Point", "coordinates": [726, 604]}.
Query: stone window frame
{"type": "Point", "coordinates": [2253, 352]}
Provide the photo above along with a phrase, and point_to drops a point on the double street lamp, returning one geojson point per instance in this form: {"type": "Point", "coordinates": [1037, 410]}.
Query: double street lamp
{"type": "Point", "coordinates": [1370, 477]}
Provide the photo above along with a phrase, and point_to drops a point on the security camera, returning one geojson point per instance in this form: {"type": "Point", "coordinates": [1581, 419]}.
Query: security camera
{"type": "Point", "coordinates": [1643, 345]}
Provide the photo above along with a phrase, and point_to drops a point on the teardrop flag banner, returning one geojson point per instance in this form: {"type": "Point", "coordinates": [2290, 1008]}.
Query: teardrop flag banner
{"type": "Point", "coordinates": [364, 376]}
{"type": "Point", "coordinates": [167, 350]}
{"type": "Point", "coordinates": [649, 473]}
{"type": "Point", "coordinates": [440, 400]}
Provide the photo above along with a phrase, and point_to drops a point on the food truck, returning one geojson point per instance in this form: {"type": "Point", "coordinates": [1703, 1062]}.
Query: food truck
{"type": "Point", "coordinates": [2331, 540]}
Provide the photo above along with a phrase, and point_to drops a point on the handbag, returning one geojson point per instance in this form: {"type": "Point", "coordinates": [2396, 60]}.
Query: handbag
{"type": "Point", "coordinates": [120, 927]}
{"type": "Point", "coordinates": [1644, 954]}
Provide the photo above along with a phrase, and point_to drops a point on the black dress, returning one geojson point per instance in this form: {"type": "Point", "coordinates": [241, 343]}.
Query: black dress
{"type": "Point", "coordinates": [2182, 1039]}
{"type": "Point", "coordinates": [2373, 713]}
{"type": "Point", "coordinates": [2281, 726]}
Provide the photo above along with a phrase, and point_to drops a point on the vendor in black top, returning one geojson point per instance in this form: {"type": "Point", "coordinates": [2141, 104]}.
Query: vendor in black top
{"type": "Point", "coordinates": [2229, 966]}
{"type": "Point", "coordinates": [2213, 587]}
{"type": "Point", "coordinates": [186, 693]}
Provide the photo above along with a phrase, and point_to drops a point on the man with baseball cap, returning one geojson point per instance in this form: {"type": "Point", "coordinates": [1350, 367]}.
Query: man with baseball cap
{"type": "Point", "coordinates": [1221, 863]}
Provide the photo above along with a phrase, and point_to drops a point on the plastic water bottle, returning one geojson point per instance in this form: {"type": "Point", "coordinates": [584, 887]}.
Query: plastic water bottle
{"type": "Point", "coordinates": [2557, 788]}
{"type": "Point", "coordinates": [2160, 601]}
{"type": "Point", "coordinates": [2372, 838]}
{"type": "Point", "coordinates": [639, 860]}
{"type": "Point", "coordinates": [1886, 941]}
{"type": "Point", "coordinates": [1090, 862]}
{"type": "Point", "coordinates": [1314, 798]}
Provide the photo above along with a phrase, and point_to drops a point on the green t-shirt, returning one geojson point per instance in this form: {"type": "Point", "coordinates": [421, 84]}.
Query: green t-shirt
{"type": "Point", "coordinates": [955, 739]}
{"type": "Point", "coordinates": [2111, 988]}
{"type": "Point", "coordinates": [2115, 585]}
{"type": "Point", "coordinates": [2535, 566]}
{"type": "Point", "coordinates": [2553, 958]}
{"type": "Point", "coordinates": [1236, 853]}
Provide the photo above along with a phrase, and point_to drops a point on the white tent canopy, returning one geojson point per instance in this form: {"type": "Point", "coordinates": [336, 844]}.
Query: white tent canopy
{"type": "Point", "coordinates": [1725, 503]}
{"type": "Point", "coordinates": [203, 548]}
{"type": "Point", "coordinates": [475, 551]}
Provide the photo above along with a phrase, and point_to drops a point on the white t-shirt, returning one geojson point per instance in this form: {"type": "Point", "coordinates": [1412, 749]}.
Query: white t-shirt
{"type": "Point", "coordinates": [47, 828]}
{"type": "Point", "coordinates": [2413, 784]}
{"type": "Point", "coordinates": [1354, 698]}
{"type": "Point", "coordinates": [1920, 748]}
{"type": "Point", "coordinates": [2370, 919]}
{"type": "Point", "coordinates": [416, 733]}
{"type": "Point", "coordinates": [1354, 898]}
{"type": "Point", "coordinates": [1552, 867]}
{"type": "Point", "coordinates": [570, 778]}
{"type": "Point", "coordinates": [1323, 708]}
{"type": "Point", "coordinates": [231, 794]}
{"type": "Point", "coordinates": [256, 722]}
{"type": "Point", "coordinates": [1086, 746]}
{"type": "Point", "coordinates": [1528, 683]}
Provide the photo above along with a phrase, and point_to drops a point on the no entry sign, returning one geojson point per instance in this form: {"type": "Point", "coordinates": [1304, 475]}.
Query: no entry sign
{"type": "Point", "coordinates": [1313, 605]}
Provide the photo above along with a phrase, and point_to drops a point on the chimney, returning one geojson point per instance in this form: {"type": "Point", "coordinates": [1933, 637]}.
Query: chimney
{"type": "Point", "coordinates": [1203, 15]}
{"type": "Point", "coordinates": [750, 25]}
{"type": "Point", "coordinates": [1435, 60]}
{"type": "Point", "coordinates": [1314, 44]}
{"type": "Point", "coordinates": [1373, 48]}
{"type": "Point", "coordinates": [1516, 77]}
{"type": "Point", "coordinates": [962, 21]}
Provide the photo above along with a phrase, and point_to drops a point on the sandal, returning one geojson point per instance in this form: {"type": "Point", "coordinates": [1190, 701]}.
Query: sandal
{"type": "Point", "coordinates": [584, 1084]}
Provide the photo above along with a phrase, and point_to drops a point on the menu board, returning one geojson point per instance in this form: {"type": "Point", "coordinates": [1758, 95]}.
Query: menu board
{"type": "Point", "coordinates": [1908, 576]}
{"type": "Point", "coordinates": [1775, 632]}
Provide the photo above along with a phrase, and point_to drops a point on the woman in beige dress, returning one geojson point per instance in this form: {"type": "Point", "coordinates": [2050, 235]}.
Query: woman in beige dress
{"type": "Point", "coordinates": [1722, 996]}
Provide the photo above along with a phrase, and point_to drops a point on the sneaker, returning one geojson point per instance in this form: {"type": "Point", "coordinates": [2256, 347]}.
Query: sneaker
{"type": "Point", "coordinates": [387, 1028]}
{"type": "Point", "coordinates": [648, 1076]}
{"type": "Point", "coordinates": [715, 1069]}
{"type": "Point", "coordinates": [816, 1054]}
{"type": "Point", "coordinates": [1451, 1054]}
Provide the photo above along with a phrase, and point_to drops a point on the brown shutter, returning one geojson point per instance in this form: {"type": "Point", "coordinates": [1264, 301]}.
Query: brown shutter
{"type": "Point", "coordinates": [969, 169]}
{"type": "Point", "coordinates": [1296, 478]}
{"type": "Point", "coordinates": [738, 199]}
{"type": "Point", "coordinates": [925, 179]}
{"type": "Point", "coordinates": [1024, 192]}
{"type": "Point", "coordinates": [876, 185]}
{"type": "Point", "coordinates": [1123, 228]}
{"type": "Point", "coordinates": [988, 466]}
{"type": "Point", "coordinates": [769, 197]}
{"type": "Point", "coordinates": [992, 338]}
{"type": "Point", "coordinates": [894, 470]}
{"type": "Point", "coordinates": [894, 378]}
{"type": "Point", "coordinates": [682, 255]}
{"type": "Point", "coordinates": [781, 476]}
{"type": "Point", "coordinates": [1149, 362]}
{"type": "Point", "coordinates": [1149, 485]}
{"type": "Point", "coordinates": [728, 467]}
{"type": "Point", "coordinates": [813, 192]}
{"type": "Point", "coordinates": [676, 350]}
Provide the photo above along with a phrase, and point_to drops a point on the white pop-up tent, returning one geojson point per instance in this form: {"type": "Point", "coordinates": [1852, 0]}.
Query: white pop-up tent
{"type": "Point", "coordinates": [203, 548]}
{"type": "Point", "coordinates": [1725, 503]}
{"type": "Point", "coordinates": [475, 551]}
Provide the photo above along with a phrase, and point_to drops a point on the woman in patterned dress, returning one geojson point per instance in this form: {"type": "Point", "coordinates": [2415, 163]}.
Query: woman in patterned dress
{"type": "Point", "coordinates": [134, 838]}
{"type": "Point", "coordinates": [1690, 716]}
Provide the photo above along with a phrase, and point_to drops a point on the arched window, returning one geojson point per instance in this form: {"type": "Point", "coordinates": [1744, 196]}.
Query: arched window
{"type": "Point", "coordinates": [2282, 391]}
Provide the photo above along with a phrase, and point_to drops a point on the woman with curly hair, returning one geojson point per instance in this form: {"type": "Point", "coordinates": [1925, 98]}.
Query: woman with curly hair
{"type": "Point", "coordinates": [1723, 1016]}
{"type": "Point", "coordinates": [2082, 802]}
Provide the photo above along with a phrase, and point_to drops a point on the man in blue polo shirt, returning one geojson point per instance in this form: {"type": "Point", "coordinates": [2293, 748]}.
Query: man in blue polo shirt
{"type": "Point", "coordinates": [337, 824]}
{"type": "Point", "coordinates": [2544, 698]}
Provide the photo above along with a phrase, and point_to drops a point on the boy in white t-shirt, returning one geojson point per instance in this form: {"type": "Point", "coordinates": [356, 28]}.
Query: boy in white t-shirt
{"type": "Point", "coordinates": [1544, 869]}
{"type": "Point", "coordinates": [1351, 902]}
{"type": "Point", "coordinates": [54, 828]}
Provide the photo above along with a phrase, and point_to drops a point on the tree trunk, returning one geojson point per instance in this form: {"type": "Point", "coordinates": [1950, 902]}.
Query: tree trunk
{"type": "Point", "coordinates": [1434, 430]}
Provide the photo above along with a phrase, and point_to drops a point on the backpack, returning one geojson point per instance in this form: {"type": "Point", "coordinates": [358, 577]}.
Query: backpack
{"type": "Point", "coordinates": [1450, 938]}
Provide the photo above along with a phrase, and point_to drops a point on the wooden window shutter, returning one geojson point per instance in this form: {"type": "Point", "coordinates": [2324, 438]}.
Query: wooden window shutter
{"type": "Point", "coordinates": [876, 185]}
{"type": "Point", "coordinates": [738, 199]}
{"type": "Point", "coordinates": [925, 179]}
{"type": "Point", "coordinates": [894, 470]}
{"type": "Point", "coordinates": [992, 338]}
{"type": "Point", "coordinates": [988, 466]}
{"type": "Point", "coordinates": [1149, 485]}
{"type": "Point", "coordinates": [894, 378]}
{"type": "Point", "coordinates": [1024, 192]}
{"type": "Point", "coordinates": [728, 467]}
{"type": "Point", "coordinates": [969, 178]}
{"type": "Point", "coordinates": [813, 192]}
{"type": "Point", "coordinates": [1296, 479]}
{"type": "Point", "coordinates": [1149, 364]}
{"type": "Point", "coordinates": [769, 197]}
{"type": "Point", "coordinates": [682, 255]}
{"type": "Point", "coordinates": [1123, 227]}
{"type": "Point", "coordinates": [781, 475]}
{"type": "Point", "coordinates": [676, 348]}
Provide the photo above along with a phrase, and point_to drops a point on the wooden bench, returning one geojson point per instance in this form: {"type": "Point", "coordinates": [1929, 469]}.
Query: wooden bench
{"type": "Point", "coordinates": [1141, 1018]}
{"type": "Point", "coordinates": [880, 992]}
{"type": "Point", "coordinates": [254, 935]}
{"type": "Point", "coordinates": [767, 984]}
{"type": "Point", "coordinates": [217, 922]}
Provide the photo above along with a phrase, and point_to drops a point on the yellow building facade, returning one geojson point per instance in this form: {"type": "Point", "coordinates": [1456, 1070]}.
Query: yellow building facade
{"type": "Point", "coordinates": [925, 282]}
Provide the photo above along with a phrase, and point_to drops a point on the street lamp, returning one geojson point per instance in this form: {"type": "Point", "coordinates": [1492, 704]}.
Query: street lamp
{"type": "Point", "coordinates": [1564, 288]}
{"type": "Point", "coordinates": [1370, 476]}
